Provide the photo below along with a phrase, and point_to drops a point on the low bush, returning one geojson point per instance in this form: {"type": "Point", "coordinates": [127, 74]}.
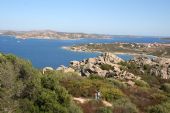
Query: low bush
{"type": "Point", "coordinates": [104, 110]}
{"type": "Point", "coordinates": [160, 97]}
{"type": "Point", "coordinates": [86, 87]}
{"type": "Point", "coordinates": [116, 83]}
{"type": "Point", "coordinates": [24, 89]}
{"type": "Point", "coordinates": [106, 67]}
{"type": "Point", "coordinates": [94, 76]}
{"type": "Point", "coordinates": [141, 83]}
{"type": "Point", "coordinates": [165, 87]}
{"type": "Point", "coordinates": [160, 108]}
{"type": "Point", "coordinates": [123, 63]}
{"type": "Point", "coordinates": [111, 94]}
{"type": "Point", "coordinates": [124, 105]}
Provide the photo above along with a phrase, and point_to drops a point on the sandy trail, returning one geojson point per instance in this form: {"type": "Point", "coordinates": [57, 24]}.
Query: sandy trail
{"type": "Point", "coordinates": [83, 100]}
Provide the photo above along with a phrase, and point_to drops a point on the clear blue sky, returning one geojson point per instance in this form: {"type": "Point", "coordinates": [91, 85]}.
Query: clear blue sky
{"type": "Point", "coordinates": [134, 17]}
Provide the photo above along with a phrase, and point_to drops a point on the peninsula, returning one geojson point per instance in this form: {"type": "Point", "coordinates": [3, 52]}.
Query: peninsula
{"type": "Point", "coordinates": [156, 49]}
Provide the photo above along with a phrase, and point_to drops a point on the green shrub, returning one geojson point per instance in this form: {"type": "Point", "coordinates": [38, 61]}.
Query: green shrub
{"type": "Point", "coordinates": [104, 110]}
{"type": "Point", "coordinates": [151, 80]}
{"type": "Point", "coordinates": [86, 87]}
{"type": "Point", "coordinates": [94, 76]}
{"type": "Point", "coordinates": [124, 105]}
{"type": "Point", "coordinates": [157, 109]}
{"type": "Point", "coordinates": [146, 67]}
{"type": "Point", "coordinates": [24, 89]}
{"type": "Point", "coordinates": [116, 83]}
{"type": "Point", "coordinates": [123, 63]}
{"type": "Point", "coordinates": [161, 108]}
{"type": "Point", "coordinates": [106, 67]}
{"type": "Point", "coordinates": [27, 106]}
{"type": "Point", "coordinates": [111, 94]}
{"type": "Point", "coordinates": [159, 97]}
{"type": "Point", "coordinates": [11, 58]}
{"type": "Point", "coordinates": [166, 87]}
{"type": "Point", "coordinates": [74, 108]}
{"type": "Point", "coordinates": [141, 83]}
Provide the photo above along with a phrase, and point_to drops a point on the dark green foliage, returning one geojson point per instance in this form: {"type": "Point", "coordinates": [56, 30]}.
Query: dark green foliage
{"type": "Point", "coordinates": [141, 83]}
{"type": "Point", "coordinates": [104, 110]}
{"type": "Point", "coordinates": [146, 67]}
{"type": "Point", "coordinates": [117, 83]}
{"type": "Point", "coordinates": [124, 105]}
{"type": "Point", "coordinates": [94, 76]}
{"type": "Point", "coordinates": [161, 108]}
{"type": "Point", "coordinates": [165, 87]}
{"type": "Point", "coordinates": [28, 106]}
{"type": "Point", "coordinates": [159, 96]}
{"type": "Point", "coordinates": [106, 67]}
{"type": "Point", "coordinates": [24, 89]}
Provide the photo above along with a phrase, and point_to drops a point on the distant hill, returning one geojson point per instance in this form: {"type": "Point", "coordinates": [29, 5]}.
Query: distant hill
{"type": "Point", "coordinates": [50, 34]}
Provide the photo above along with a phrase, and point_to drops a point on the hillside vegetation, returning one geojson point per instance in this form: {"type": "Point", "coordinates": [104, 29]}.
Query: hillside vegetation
{"type": "Point", "coordinates": [24, 89]}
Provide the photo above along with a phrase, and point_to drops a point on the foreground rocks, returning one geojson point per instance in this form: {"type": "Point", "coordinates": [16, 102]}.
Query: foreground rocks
{"type": "Point", "coordinates": [90, 66]}
{"type": "Point", "coordinates": [108, 65]}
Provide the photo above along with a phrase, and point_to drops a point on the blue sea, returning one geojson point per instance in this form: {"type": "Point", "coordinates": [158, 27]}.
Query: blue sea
{"type": "Point", "coordinates": [44, 52]}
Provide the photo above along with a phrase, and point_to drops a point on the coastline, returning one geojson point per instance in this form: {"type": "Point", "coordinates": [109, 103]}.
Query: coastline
{"type": "Point", "coordinates": [68, 48]}
{"type": "Point", "coordinates": [151, 49]}
{"type": "Point", "coordinates": [45, 38]}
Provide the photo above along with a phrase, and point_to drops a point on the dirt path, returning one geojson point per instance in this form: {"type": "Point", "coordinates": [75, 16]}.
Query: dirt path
{"type": "Point", "coordinates": [83, 100]}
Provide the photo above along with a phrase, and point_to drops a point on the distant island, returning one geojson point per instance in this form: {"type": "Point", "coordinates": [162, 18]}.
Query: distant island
{"type": "Point", "coordinates": [50, 34]}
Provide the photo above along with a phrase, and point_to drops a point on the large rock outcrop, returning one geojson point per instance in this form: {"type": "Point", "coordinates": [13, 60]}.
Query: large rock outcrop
{"type": "Point", "coordinates": [158, 66]}
{"type": "Point", "coordinates": [91, 66]}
